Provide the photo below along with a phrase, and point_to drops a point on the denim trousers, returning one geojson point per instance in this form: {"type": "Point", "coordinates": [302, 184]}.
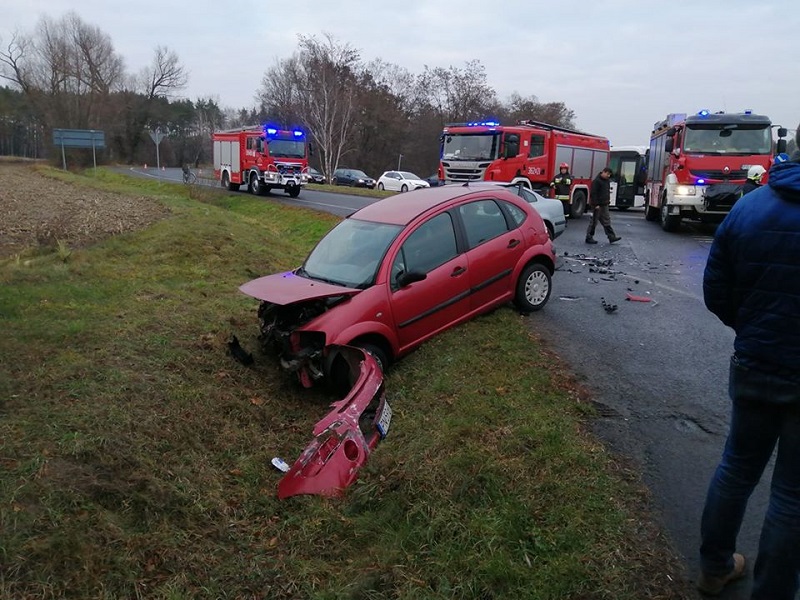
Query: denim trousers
{"type": "Point", "coordinates": [765, 414]}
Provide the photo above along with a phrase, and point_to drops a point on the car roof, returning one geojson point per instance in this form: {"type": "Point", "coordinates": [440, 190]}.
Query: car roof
{"type": "Point", "coordinates": [401, 210]}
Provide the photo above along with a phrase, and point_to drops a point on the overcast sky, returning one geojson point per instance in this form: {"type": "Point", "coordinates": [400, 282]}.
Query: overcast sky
{"type": "Point", "coordinates": [621, 65]}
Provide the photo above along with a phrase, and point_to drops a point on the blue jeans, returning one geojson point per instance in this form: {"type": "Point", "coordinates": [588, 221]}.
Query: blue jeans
{"type": "Point", "coordinates": [766, 413]}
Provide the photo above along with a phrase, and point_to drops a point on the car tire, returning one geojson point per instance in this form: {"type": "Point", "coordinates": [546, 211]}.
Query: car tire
{"type": "Point", "coordinates": [404, 188]}
{"type": "Point", "coordinates": [550, 231]}
{"type": "Point", "coordinates": [334, 181]}
{"type": "Point", "coordinates": [533, 288]}
{"type": "Point", "coordinates": [256, 187]}
{"type": "Point", "coordinates": [380, 186]}
{"type": "Point", "coordinates": [379, 354]}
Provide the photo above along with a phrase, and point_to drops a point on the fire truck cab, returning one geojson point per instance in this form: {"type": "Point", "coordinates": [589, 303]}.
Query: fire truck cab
{"type": "Point", "coordinates": [263, 158]}
{"type": "Point", "coordinates": [698, 163]}
{"type": "Point", "coordinates": [528, 153]}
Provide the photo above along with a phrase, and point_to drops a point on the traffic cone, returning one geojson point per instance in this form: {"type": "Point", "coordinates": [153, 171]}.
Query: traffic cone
{"type": "Point", "coordinates": [163, 168]}
{"type": "Point", "coordinates": [145, 166]}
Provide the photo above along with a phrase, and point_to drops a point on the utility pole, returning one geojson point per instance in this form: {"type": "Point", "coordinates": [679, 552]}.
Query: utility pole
{"type": "Point", "coordinates": [399, 158]}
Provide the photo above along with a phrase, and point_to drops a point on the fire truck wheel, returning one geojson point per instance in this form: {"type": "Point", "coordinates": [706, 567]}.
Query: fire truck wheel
{"type": "Point", "coordinates": [225, 181]}
{"type": "Point", "coordinates": [651, 213]}
{"type": "Point", "coordinates": [578, 205]}
{"type": "Point", "coordinates": [293, 191]}
{"type": "Point", "coordinates": [256, 188]}
{"type": "Point", "coordinates": [669, 222]}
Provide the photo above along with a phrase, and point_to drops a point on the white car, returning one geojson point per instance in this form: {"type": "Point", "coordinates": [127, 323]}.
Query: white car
{"type": "Point", "coordinates": [400, 181]}
{"type": "Point", "coordinates": [550, 209]}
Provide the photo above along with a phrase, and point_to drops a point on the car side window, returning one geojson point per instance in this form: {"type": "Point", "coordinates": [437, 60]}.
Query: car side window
{"type": "Point", "coordinates": [483, 220]}
{"type": "Point", "coordinates": [517, 214]}
{"type": "Point", "coordinates": [430, 246]}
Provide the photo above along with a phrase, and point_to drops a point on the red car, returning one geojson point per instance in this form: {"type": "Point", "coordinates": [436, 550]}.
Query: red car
{"type": "Point", "coordinates": [401, 270]}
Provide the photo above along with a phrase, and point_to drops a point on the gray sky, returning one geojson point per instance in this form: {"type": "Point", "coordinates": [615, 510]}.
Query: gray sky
{"type": "Point", "coordinates": [621, 65]}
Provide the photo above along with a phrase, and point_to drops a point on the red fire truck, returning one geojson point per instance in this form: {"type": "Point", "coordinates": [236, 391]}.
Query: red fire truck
{"type": "Point", "coordinates": [263, 158]}
{"type": "Point", "coordinates": [698, 163]}
{"type": "Point", "coordinates": [528, 152]}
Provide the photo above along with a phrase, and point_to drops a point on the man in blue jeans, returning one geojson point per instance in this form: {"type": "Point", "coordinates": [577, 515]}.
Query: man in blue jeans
{"type": "Point", "coordinates": [752, 283]}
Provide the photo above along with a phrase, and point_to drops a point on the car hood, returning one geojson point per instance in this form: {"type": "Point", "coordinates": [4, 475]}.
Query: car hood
{"type": "Point", "coordinates": [288, 288]}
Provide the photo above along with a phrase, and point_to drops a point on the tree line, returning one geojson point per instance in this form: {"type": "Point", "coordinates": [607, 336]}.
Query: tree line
{"type": "Point", "coordinates": [368, 115]}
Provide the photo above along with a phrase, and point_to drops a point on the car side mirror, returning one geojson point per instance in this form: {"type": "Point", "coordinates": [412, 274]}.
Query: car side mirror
{"type": "Point", "coordinates": [669, 145]}
{"type": "Point", "coordinates": [782, 132]}
{"type": "Point", "coordinates": [410, 277]}
{"type": "Point", "coordinates": [780, 147]}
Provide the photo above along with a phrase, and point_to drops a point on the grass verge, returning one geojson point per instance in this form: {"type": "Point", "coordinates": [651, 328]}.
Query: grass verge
{"type": "Point", "coordinates": [134, 453]}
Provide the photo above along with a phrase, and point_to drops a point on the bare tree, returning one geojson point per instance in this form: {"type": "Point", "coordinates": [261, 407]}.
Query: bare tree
{"type": "Point", "coordinates": [456, 94]}
{"type": "Point", "coordinates": [517, 108]}
{"type": "Point", "coordinates": [319, 85]}
{"type": "Point", "coordinates": [164, 76]}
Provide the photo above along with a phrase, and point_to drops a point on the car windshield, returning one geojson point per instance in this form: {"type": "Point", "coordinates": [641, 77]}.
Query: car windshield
{"type": "Point", "coordinates": [728, 139]}
{"type": "Point", "coordinates": [359, 174]}
{"type": "Point", "coordinates": [350, 253]}
{"type": "Point", "coordinates": [407, 175]}
{"type": "Point", "coordinates": [287, 148]}
{"type": "Point", "coordinates": [459, 146]}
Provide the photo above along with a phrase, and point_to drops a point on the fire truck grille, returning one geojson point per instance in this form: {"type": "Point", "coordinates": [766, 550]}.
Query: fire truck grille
{"type": "Point", "coordinates": [452, 174]}
{"type": "Point", "coordinates": [289, 169]}
{"type": "Point", "coordinates": [720, 175]}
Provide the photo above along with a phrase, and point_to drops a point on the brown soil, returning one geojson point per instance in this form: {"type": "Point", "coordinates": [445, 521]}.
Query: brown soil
{"type": "Point", "coordinates": [36, 211]}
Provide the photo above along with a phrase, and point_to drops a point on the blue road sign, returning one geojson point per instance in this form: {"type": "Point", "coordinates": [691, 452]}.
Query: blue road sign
{"type": "Point", "coordinates": [79, 138]}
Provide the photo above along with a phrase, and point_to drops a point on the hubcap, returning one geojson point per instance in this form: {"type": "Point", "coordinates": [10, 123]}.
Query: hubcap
{"type": "Point", "coordinates": [536, 288]}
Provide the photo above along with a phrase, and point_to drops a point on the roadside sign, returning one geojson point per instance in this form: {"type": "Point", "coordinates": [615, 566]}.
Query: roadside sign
{"type": "Point", "coordinates": [79, 138]}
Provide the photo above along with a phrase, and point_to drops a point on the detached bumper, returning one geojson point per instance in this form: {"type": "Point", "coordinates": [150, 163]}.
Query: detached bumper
{"type": "Point", "coordinates": [344, 439]}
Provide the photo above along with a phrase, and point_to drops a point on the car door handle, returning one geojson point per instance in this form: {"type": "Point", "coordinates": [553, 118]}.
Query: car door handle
{"type": "Point", "coordinates": [513, 243]}
{"type": "Point", "coordinates": [458, 271]}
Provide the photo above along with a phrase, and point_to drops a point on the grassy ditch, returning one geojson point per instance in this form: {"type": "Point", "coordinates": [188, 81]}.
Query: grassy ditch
{"type": "Point", "coordinates": [135, 453]}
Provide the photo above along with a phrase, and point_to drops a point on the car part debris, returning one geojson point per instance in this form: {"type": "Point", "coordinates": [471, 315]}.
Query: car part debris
{"type": "Point", "coordinates": [239, 353]}
{"type": "Point", "coordinates": [346, 436]}
{"type": "Point", "coordinates": [280, 464]}
{"type": "Point", "coordinates": [570, 298]}
{"type": "Point", "coordinates": [635, 298]}
{"type": "Point", "coordinates": [608, 307]}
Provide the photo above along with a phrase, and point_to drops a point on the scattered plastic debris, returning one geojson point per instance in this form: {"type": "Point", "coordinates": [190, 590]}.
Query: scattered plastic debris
{"type": "Point", "coordinates": [635, 298]}
{"type": "Point", "coordinates": [280, 464]}
{"type": "Point", "coordinates": [608, 307]}
{"type": "Point", "coordinates": [239, 353]}
{"type": "Point", "coordinates": [570, 298]}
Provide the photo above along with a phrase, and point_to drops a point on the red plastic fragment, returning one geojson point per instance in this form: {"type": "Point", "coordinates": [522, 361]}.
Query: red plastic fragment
{"type": "Point", "coordinates": [330, 463]}
{"type": "Point", "coordinates": [634, 298]}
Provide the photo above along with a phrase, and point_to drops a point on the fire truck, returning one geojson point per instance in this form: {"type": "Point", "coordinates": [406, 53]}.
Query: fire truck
{"type": "Point", "coordinates": [262, 157]}
{"type": "Point", "coordinates": [528, 153]}
{"type": "Point", "coordinates": [698, 163]}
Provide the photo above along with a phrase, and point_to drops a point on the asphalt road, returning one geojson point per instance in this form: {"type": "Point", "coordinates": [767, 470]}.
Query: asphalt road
{"type": "Point", "coordinates": [657, 370]}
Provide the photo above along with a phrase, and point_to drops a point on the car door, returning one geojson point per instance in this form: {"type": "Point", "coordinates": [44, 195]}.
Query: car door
{"type": "Point", "coordinates": [495, 245]}
{"type": "Point", "coordinates": [391, 181]}
{"type": "Point", "coordinates": [423, 308]}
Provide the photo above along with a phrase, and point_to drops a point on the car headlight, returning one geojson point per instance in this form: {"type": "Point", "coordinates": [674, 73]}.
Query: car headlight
{"type": "Point", "coordinates": [686, 190]}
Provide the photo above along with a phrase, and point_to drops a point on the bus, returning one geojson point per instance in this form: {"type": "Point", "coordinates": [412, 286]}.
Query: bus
{"type": "Point", "coordinates": [629, 167]}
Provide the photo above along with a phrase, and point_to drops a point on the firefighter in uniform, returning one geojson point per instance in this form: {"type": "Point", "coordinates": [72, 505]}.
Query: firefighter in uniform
{"type": "Point", "coordinates": [754, 175]}
{"type": "Point", "coordinates": [561, 184]}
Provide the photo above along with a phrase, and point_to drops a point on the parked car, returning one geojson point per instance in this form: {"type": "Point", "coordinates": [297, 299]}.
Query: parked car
{"type": "Point", "coordinates": [550, 209]}
{"type": "Point", "coordinates": [400, 181]}
{"type": "Point", "coordinates": [394, 274]}
{"type": "Point", "coordinates": [352, 177]}
{"type": "Point", "coordinates": [433, 180]}
{"type": "Point", "coordinates": [315, 176]}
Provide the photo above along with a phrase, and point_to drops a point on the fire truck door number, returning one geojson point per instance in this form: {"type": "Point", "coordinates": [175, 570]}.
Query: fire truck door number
{"type": "Point", "coordinates": [534, 171]}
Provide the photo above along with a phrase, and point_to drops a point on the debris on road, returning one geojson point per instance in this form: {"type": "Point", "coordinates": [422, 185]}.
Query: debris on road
{"type": "Point", "coordinates": [238, 353]}
{"type": "Point", "coordinates": [634, 298]}
{"type": "Point", "coordinates": [608, 307]}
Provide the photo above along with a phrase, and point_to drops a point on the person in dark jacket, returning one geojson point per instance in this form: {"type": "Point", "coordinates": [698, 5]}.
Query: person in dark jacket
{"type": "Point", "coordinates": [562, 185]}
{"type": "Point", "coordinates": [754, 175]}
{"type": "Point", "coordinates": [599, 199]}
{"type": "Point", "coordinates": [752, 283]}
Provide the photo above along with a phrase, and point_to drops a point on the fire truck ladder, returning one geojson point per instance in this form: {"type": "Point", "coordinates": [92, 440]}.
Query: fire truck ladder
{"type": "Point", "coordinates": [543, 125]}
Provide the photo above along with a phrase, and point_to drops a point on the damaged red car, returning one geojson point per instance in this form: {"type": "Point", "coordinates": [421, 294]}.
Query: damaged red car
{"type": "Point", "coordinates": [401, 270]}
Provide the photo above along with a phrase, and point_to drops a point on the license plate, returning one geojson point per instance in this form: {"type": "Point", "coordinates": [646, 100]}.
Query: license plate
{"type": "Point", "coordinates": [384, 419]}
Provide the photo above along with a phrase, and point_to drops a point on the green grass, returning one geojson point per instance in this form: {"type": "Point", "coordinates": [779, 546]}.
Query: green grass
{"type": "Point", "coordinates": [135, 453]}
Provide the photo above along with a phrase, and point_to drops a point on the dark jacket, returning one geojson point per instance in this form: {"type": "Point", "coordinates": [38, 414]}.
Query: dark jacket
{"type": "Point", "coordinates": [749, 186]}
{"type": "Point", "coordinates": [752, 278]}
{"type": "Point", "coordinates": [562, 183]}
{"type": "Point", "coordinates": [600, 192]}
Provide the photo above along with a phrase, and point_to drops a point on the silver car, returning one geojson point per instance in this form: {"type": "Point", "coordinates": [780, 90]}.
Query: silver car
{"type": "Point", "coordinates": [550, 209]}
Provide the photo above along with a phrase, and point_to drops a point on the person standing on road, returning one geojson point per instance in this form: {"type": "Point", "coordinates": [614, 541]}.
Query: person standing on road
{"type": "Point", "coordinates": [752, 283]}
{"type": "Point", "coordinates": [599, 199]}
{"type": "Point", "coordinates": [562, 185]}
{"type": "Point", "coordinates": [754, 175]}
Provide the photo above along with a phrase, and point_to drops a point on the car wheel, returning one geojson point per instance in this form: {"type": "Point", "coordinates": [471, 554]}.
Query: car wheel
{"type": "Point", "coordinates": [334, 181]}
{"type": "Point", "coordinates": [404, 188]}
{"type": "Point", "coordinates": [380, 186]}
{"type": "Point", "coordinates": [550, 232]}
{"type": "Point", "coordinates": [378, 353]}
{"type": "Point", "coordinates": [533, 288]}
